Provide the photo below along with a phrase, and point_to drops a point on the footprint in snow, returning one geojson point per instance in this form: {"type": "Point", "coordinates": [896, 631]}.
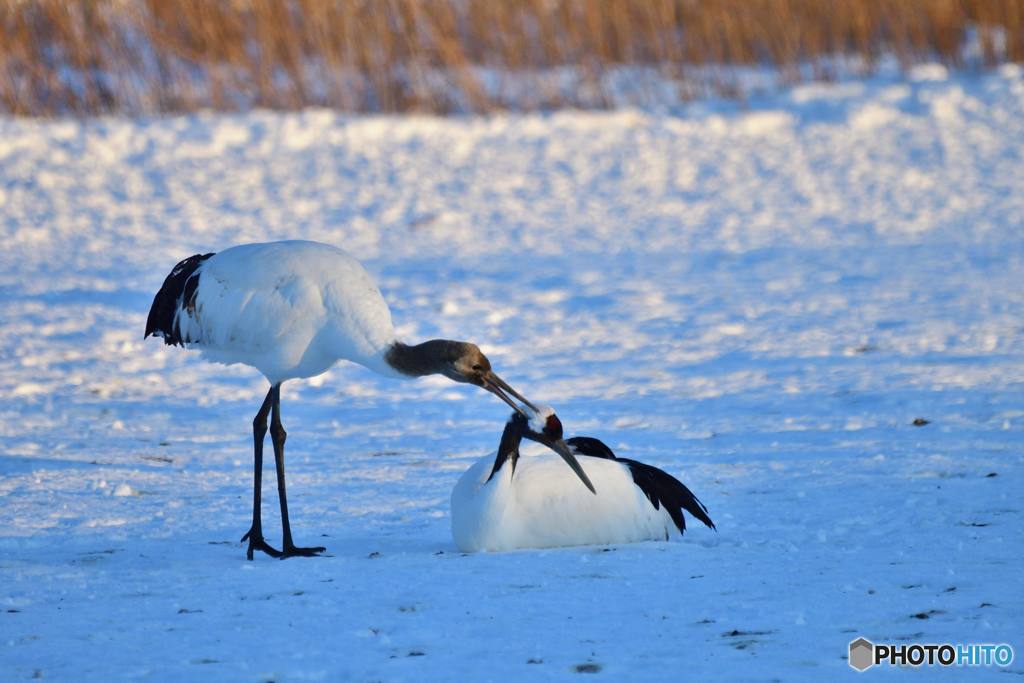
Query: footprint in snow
{"type": "Point", "coordinates": [743, 639]}
{"type": "Point", "coordinates": [927, 615]}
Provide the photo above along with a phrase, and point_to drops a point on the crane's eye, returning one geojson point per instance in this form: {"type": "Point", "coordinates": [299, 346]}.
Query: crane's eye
{"type": "Point", "coordinates": [478, 367]}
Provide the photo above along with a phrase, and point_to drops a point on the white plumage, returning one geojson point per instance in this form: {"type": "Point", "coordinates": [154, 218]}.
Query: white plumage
{"type": "Point", "coordinates": [289, 309]}
{"type": "Point", "coordinates": [544, 506]}
{"type": "Point", "coordinates": [535, 501]}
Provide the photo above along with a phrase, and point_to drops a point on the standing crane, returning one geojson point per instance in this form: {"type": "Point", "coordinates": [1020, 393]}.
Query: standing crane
{"type": "Point", "coordinates": [291, 310]}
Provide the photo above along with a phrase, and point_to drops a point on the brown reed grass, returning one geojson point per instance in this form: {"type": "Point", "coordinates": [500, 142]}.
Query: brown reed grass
{"type": "Point", "coordinates": [155, 56]}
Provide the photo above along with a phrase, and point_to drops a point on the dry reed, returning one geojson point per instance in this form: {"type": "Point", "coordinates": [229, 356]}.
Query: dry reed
{"type": "Point", "coordinates": [153, 56]}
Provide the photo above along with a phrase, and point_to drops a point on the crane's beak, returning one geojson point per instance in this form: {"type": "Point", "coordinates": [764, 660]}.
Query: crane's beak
{"type": "Point", "coordinates": [559, 446]}
{"type": "Point", "coordinates": [502, 390]}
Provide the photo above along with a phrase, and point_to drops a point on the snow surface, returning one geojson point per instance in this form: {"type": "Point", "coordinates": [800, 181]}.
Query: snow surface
{"type": "Point", "coordinates": [759, 300]}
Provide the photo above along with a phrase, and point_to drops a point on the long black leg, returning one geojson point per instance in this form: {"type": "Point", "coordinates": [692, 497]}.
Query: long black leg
{"type": "Point", "coordinates": [277, 436]}
{"type": "Point", "coordinates": [259, 430]}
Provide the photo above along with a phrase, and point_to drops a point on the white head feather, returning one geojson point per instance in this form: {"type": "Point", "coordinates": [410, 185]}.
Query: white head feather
{"type": "Point", "coordinates": [539, 417]}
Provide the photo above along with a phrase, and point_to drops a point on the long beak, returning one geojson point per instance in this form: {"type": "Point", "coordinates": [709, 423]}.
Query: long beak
{"type": "Point", "coordinates": [501, 389]}
{"type": "Point", "coordinates": [559, 446]}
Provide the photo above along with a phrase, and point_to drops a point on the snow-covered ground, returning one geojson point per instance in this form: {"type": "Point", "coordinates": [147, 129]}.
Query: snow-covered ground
{"type": "Point", "coordinates": [760, 300]}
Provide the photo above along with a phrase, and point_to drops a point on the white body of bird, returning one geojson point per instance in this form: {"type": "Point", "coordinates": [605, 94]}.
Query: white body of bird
{"type": "Point", "coordinates": [543, 505]}
{"type": "Point", "coordinates": [290, 309]}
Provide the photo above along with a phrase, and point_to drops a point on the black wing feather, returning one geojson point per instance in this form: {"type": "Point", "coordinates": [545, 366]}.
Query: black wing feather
{"type": "Point", "coordinates": [587, 445]}
{"type": "Point", "coordinates": [660, 487]}
{"type": "Point", "coordinates": [178, 290]}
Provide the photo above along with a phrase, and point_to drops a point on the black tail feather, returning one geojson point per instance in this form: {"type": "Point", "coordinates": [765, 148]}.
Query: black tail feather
{"type": "Point", "coordinates": [178, 290]}
{"type": "Point", "coordinates": [660, 487]}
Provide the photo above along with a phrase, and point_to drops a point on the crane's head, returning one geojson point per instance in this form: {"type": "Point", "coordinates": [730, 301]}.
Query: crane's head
{"type": "Point", "coordinates": [540, 424]}
{"type": "Point", "coordinates": [458, 361]}
{"type": "Point", "coordinates": [465, 362]}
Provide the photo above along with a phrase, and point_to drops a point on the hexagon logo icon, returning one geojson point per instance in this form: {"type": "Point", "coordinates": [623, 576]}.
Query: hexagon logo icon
{"type": "Point", "coordinates": [862, 654]}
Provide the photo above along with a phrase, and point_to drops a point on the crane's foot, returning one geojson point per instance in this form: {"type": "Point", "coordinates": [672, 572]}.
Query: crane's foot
{"type": "Point", "coordinates": [256, 542]}
{"type": "Point", "coordinates": [293, 551]}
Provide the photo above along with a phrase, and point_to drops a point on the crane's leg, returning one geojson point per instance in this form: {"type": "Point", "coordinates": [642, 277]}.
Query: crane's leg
{"type": "Point", "coordinates": [259, 430]}
{"type": "Point", "coordinates": [278, 435]}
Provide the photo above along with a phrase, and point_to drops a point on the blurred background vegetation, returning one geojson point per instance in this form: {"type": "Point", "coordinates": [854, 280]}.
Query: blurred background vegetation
{"type": "Point", "coordinates": [154, 56]}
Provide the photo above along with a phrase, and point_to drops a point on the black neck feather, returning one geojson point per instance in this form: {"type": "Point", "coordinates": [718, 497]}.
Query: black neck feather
{"type": "Point", "coordinates": [508, 449]}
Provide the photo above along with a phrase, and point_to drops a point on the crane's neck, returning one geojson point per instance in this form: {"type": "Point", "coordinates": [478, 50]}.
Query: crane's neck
{"type": "Point", "coordinates": [508, 449]}
{"type": "Point", "coordinates": [429, 358]}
